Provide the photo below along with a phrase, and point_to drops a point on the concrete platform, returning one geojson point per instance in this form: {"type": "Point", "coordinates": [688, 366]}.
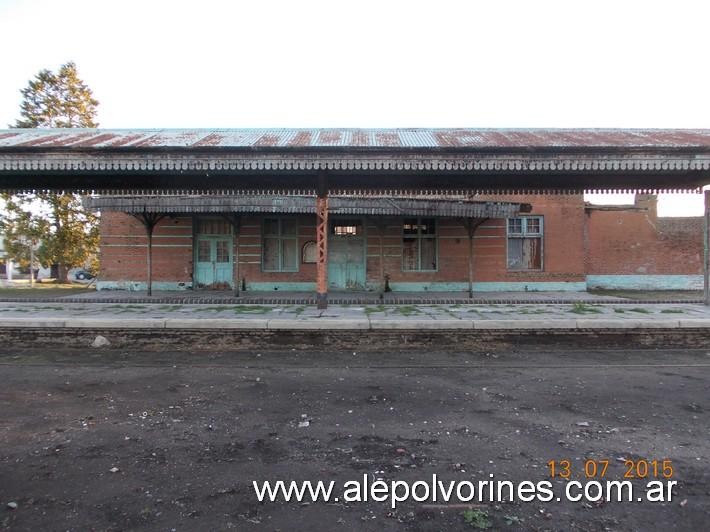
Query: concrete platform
{"type": "Point", "coordinates": [422, 316]}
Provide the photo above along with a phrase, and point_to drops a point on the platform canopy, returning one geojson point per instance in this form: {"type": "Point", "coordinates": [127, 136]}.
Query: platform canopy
{"type": "Point", "coordinates": [338, 205]}
{"type": "Point", "coordinates": [480, 160]}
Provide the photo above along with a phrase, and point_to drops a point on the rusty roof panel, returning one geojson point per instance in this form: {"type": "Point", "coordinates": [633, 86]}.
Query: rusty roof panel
{"type": "Point", "coordinates": [460, 138]}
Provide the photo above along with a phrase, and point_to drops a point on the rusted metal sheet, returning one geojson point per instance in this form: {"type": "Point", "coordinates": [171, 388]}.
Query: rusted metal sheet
{"type": "Point", "coordinates": [480, 139]}
{"type": "Point", "coordinates": [306, 205]}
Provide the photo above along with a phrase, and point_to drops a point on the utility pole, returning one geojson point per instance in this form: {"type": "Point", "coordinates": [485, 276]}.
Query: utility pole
{"type": "Point", "coordinates": [32, 263]}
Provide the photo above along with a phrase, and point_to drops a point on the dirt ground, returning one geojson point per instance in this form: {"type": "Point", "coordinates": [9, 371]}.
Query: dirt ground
{"type": "Point", "coordinates": [186, 434]}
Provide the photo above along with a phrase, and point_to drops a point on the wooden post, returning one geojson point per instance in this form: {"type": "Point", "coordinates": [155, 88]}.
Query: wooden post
{"type": "Point", "coordinates": [322, 243]}
{"type": "Point", "coordinates": [381, 227]}
{"type": "Point", "coordinates": [706, 261]}
{"type": "Point", "coordinates": [237, 221]}
{"type": "Point", "coordinates": [32, 263]}
{"type": "Point", "coordinates": [471, 229]}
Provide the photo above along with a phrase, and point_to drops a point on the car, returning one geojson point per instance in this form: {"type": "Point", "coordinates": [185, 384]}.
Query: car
{"type": "Point", "coordinates": [83, 275]}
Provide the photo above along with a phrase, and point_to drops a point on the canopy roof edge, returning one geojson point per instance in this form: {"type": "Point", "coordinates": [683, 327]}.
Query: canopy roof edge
{"type": "Point", "coordinates": [264, 204]}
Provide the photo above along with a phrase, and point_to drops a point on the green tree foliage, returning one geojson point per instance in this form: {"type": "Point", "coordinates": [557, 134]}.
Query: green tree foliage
{"type": "Point", "coordinates": [57, 100]}
{"type": "Point", "coordinates": [68, 233]}
{"type": "Point", "coordinates": [62, 230]}
{"type": "Point", "coordinates": [21, 230]}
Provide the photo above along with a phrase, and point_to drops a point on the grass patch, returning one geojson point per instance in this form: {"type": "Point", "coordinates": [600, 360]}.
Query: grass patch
{"type": "Point", "coordinates": [169, 307]}
{"type": "Point", "coordinates": [477, 519]}
{"type": "Point", "coordinates": [533, 311]}
{"type": "Point", "coordinates": [583, 308]}
{"type": "Point", "coordinates": [251, 309]}
{"type": "Point", "coordinates": [45, 290]}
{"type": "Point", "coordinates": [672, 311]}
{"type": "Point", "coordinates": [370, 309]}
{"type": "Point", "coordinates": [640, 310]}
{"type": "Point", "coordinates": [619, 310]}
{"type": "Point", "coordinates": [299, 310]}
{"type": "Point", "coordinates": [407, 310]}
{"type": "Point", "coordinates": [127, 307]}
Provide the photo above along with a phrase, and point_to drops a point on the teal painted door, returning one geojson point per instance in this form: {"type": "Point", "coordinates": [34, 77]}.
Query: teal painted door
{"type": "Point", "coordinates": [346, 254]}
{"type": "Point", "coordinates": [213, 262]}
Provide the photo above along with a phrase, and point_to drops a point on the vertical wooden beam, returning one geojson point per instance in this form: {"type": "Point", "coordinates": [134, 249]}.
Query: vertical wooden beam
{"type": "Point", "coordinates": [322, 243]}
{"type": "Point", "coordinates": [237, 227]}
{"type": "Point", "coordinates": [381, 228]}
{"type": "Point", "coordinates": [706, 261]}
{"type": "Point", "coordinates": [471, 229]}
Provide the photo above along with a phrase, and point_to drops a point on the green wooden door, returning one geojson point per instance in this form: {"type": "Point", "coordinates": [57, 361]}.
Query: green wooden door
{"type": "Point", "coordinates": [213, 262]}
{"type": "Point", "coordinates": [346, 255]}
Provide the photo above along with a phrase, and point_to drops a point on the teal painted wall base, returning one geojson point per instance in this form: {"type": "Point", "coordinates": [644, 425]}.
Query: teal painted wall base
{"type": "Point", "coordinates": [137, 286]}
{"type": "Point", "coordinates": [282, 287]}
{"type": "Point", "coordinates": [533, 286]}
{"type": "Point", "coordinates": [646, 282]}
{"type": "Point", "coordinates": [608, 282]}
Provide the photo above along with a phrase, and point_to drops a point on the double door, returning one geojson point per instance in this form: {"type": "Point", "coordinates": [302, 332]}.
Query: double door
{"type": "Point", "coordinates": [213, 262]}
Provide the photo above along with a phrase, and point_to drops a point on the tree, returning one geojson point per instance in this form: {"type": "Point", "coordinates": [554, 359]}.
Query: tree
{"type": "Point", "coordinates": [57, 100]}
{"type": "Point", "coordinates": [22, 234]}
{"type": "Point", "coordinates": [68, 231]}
{"type": "Point", "coordinates": [58, 226]}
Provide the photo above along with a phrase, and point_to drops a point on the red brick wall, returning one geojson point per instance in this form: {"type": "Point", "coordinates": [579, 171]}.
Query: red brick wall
{"type": "Point", "coordinates": [124, 245]}
{"type": "Point", "coordinates": [563, 253]}
{"type": "Point", "coordinates": [575, 243]}
{"type": "Point", "coordinates": [250, 251]}
{"type": "Point", "coordinates": [123, 248]}
{"type": "Point", "coordinates": [563, 246]}
{"type": "Point", "coordinates": [639, 242]}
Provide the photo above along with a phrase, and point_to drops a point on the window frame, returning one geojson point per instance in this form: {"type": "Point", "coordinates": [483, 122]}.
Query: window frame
{"type": "Point", "coordinates": [280, 237]}
{"type": "Point", "coordinates": [419, 237]}
{"type": "Point", "coordinates": [522, 236]}
{"type": "Point", "coordinates": [309, 244]}
{"type": "Point", "coordinates": [217, 221]}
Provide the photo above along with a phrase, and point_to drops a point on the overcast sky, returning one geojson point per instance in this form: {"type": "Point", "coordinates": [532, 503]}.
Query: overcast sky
{"type": "Point", "coordinates": [385, 63]}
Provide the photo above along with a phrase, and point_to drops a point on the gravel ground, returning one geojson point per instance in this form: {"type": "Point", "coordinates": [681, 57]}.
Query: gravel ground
{"type": "Point", "coordinates": [173, 441]}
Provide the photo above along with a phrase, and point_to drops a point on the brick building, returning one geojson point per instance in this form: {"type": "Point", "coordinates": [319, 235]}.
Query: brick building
{"type": "Point", "coordinates": [407, 210]}
{"type": "Point", "coordinates": [561, 244]}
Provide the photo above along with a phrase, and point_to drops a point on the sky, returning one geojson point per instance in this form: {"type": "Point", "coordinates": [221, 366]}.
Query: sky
{"type": "Point", "coordinates": [385, 63]}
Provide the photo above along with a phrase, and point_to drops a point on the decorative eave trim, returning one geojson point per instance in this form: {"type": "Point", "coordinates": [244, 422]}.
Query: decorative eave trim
{"type": "Point", "coordinates": [265, 162]}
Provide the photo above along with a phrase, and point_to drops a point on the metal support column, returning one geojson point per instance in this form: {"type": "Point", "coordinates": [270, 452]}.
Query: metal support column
{"type": "Point", "coordinates": [149, 221]}
{"type": "Point", "coordinates": [322, 244]}
{"type": "Point", "coordinates": [471, 229]}
{"type": "Point", "coordinates": [235, 221]}
{"type": "Point", "coordinates": [381, 228]}
{"type": "Point", "coordinates": [706, 240]}
{"type": "Point", "coordinates": [471, 224]}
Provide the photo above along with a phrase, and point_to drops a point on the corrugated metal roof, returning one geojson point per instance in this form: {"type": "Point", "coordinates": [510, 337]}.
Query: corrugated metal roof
{"type": "Point", "coordinates": [355, 138]}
